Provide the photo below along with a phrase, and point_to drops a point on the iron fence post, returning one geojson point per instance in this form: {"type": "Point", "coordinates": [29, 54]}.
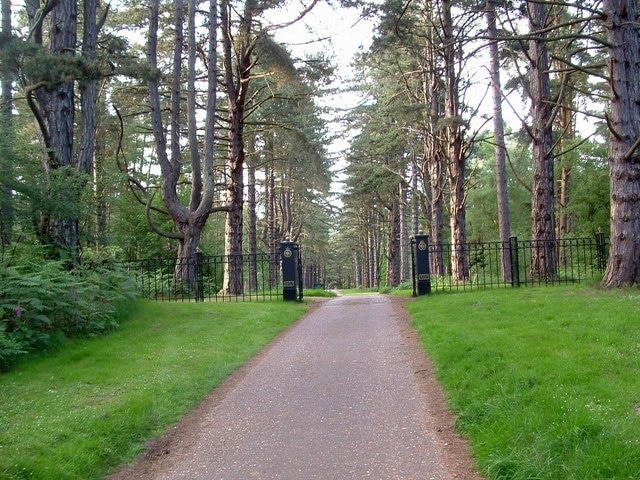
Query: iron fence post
{"type": "Point", "coordinates": [601, 251]}
{"type": "Point", "coordinates": [300, 277]}
{"type": "Point", "coordinates": [199, 280]}
{"type": "Point", "coordinates": [515, 266]}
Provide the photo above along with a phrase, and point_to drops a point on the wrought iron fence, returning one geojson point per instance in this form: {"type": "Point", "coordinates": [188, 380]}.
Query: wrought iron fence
{"type": "Point", "coordinates": [497, 264]}
{"type": "Point", "coordinates": [202, 278]}
{"type": "Point", "coordinates": [451, 267]}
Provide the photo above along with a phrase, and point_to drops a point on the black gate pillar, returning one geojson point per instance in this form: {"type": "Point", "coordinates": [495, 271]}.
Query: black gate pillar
{"type": "Point", "coordinates": [421, 269]}
{"type": "Point", "coordinates": [291, 266]}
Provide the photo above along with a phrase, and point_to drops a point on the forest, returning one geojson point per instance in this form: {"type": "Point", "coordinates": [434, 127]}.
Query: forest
{"type": "Point", "coordinates": [160, 129]}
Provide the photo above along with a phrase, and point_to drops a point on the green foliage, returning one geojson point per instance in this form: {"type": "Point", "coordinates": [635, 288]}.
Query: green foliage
{"type": "Point", "coordinates": [319, 293]}
{"type": "Point", "coordinates": [482, 207]}
{"type": "Point", "coordinates": [10, 347]}
{"type": "Point", "coordinates": [543, 380]}
{"type": "Point", "coordinates": [41, 302]}
{"type": "Point", "coordinates": [589, 203]}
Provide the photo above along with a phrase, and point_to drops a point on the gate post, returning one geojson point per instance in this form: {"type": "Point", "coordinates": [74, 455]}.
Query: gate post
{"type": "Point", "coordinates": [290, 253]}
{"type": "Point", "coordinates": [420, 264]}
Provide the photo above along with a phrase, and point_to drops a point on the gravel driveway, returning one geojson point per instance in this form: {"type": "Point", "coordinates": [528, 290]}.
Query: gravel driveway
{"type": "Point", "coordinates": [344, 394]}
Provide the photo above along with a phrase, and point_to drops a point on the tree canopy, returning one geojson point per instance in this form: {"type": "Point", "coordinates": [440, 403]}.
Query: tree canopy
{"type": "Point", "coordinates": [178, 127]}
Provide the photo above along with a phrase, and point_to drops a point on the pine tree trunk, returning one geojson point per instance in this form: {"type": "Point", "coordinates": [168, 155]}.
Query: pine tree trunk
{"type": "Point", "coordinates": [567, 132]}
{"type": "Point", "coordinates": [7, 210]}
{"type": "Point", "coordinates": [232, 283]}
{"type": "Point", "coordinates": [456, 160]}
{"type": "Point", "coordinates": [374, 261]}
{"type": "Point", "coordinates": [59, 102]}
{"type": "Point", "coordinates": [543, 256]}
{"type": "Point", "coordinates": [237, 78]}
{"type": "Point", "coordinates": [500, 149]}
{"type": "Point", "coordinates": [623, 267]}
{"type": "Point", "coordinates": [432, 171]}
{"type": "Point", "coordinates": [436, 226]}
{"type": "Point", "coordinates": [405, 271]}
{"type": "Point", "coordinates": [393, 246]}
{"type": "Point", "coordinates": [185, 269]}
{"type": "Point", "coordinates": [188, 221]}
{"type": "Point", "coordinates": [55, 107]}
{"type": "Point", "coordinates": [252, 231]}
{"type": "Point", "coordinates": [271, 227]}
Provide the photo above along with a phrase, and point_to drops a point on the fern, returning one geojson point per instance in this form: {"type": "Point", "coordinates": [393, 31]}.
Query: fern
{"type": "Point", "coordinates": [41, 300]}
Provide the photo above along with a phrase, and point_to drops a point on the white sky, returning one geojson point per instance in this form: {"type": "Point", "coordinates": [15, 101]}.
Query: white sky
{"type": "Point", "coordinates": [341, 34]}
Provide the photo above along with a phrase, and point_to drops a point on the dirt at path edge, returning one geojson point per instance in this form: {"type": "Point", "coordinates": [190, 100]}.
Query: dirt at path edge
{"type": "Point", "coordinates": [454, 449]}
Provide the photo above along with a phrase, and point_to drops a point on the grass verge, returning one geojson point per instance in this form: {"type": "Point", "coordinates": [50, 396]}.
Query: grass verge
{"type": "Point", "coordinates": [545, 382]}
{"type": "Point", "coordinates": [80, 413]}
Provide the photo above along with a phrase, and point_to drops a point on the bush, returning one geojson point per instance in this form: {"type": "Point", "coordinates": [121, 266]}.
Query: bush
{"type": "Point", "coordinates": [41, 302]}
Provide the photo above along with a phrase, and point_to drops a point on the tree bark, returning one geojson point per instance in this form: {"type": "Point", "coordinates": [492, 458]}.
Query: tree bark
{"type": "Point", "coordinates": [393, 245]}
{"type": "Point", "coordinates": [188, 221]}
{"type": "Point", "coordinates": [237, 77]}
{"type": "Point", "coordinates": [54, 107]}
{"type": "Point", "coordinates": [432, 169]}
{"type": "Point", "coordinates": [273, 231]}
{"type": "Point", "coordinates": [405, 269]}
{"type": "Point", "coordinates": [252, 217]}
{"type": "Point", "coordinates": [500, 149]}
{"type": "Point", "coordinates": [623, 267]}
{"type": "Point", "coordinates": [6, 170]}
{"type": "Point", "coordinates": [456, 157]}
{"type": "Point", "coordinates": [543, 261]}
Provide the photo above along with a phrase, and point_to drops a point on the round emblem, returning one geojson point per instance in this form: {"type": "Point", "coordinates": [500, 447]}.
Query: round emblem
{"type": "Point", "coordinates": [422, 245]}
{"type": "Point", "coordinates": [287, 252]}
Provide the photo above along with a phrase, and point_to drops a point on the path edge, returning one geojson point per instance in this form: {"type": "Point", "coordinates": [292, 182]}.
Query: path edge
{"type": "Point", "coordinates": [454, 448]}
{"type": "Point", "coordinates": [178, 437]}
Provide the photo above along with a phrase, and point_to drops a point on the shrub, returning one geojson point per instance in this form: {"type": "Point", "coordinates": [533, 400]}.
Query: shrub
{"type": "Point", "coordinates": [41, 302]}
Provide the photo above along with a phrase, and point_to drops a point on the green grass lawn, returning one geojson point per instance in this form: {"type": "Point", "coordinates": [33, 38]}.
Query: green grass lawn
{"type": "Point", "coordinates": [79, 413]}
{"type": "Point", "coordinates": [545, 382]}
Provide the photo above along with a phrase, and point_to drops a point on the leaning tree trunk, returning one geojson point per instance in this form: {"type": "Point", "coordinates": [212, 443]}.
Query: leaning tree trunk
{"type": "Point", "coordinates": [623, 267]}
{"type": "Point", "coordinates": [543, 255]}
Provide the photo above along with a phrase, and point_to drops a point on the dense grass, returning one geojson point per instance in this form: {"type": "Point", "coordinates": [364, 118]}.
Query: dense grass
{"type": "Point", "coordinates": [318, 293]}
{"type": "Point", "coordinates": [79, 413]}
{"type": "Point", "coordinates": [545, 381]}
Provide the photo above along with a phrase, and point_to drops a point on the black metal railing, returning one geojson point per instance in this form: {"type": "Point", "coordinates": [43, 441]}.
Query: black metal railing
{"type": "Point", "coordinates": [477, 265]}
{"type": "Point", "coordinates": [202, 278]}
{"type": "Point", "coordinates": [517, 263]}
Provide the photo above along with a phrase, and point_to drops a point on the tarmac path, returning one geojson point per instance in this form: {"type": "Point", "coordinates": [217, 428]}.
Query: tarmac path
{"type": "Point", "coordinates": [336, 397]}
